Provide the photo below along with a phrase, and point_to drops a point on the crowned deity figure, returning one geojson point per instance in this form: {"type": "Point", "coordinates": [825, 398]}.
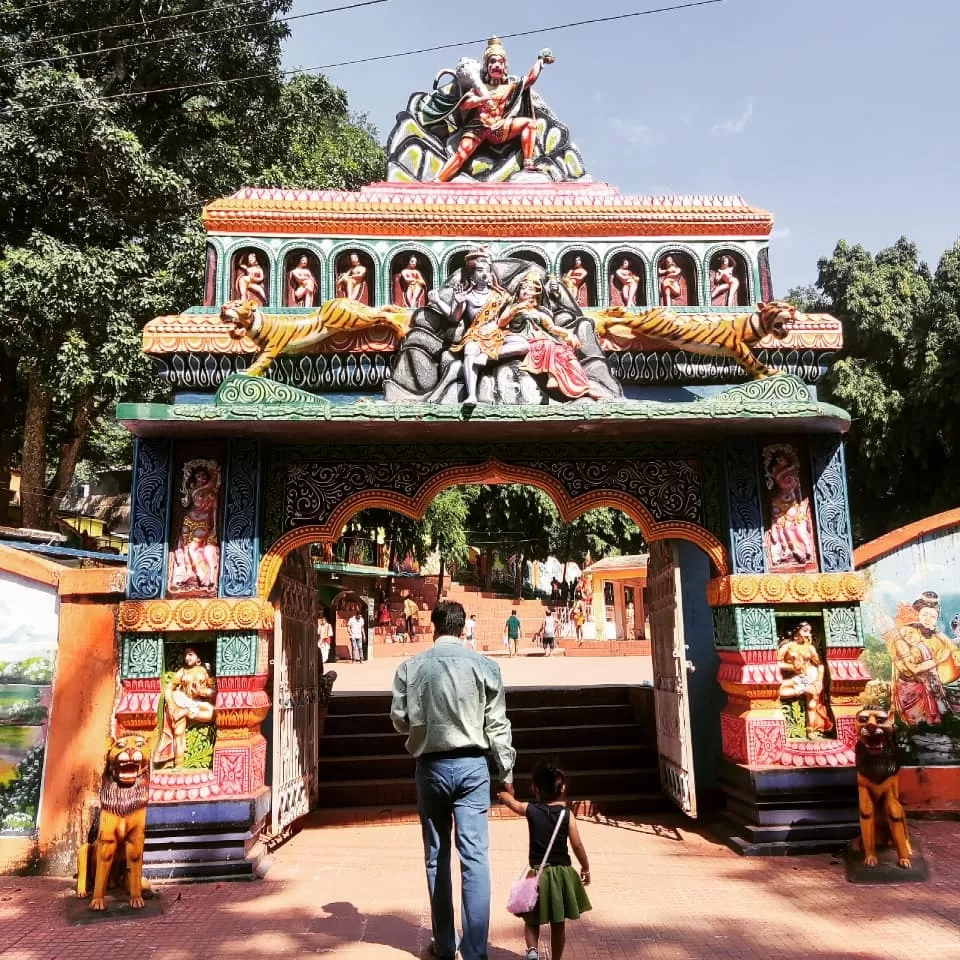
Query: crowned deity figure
{"type": "Point", "coordinates": [725, 284]}
{"type": "Point", "coordinates": [802, 675]}
{"type": "Point", "coordinates": [575, 280]}
{"type": "Point", "coordinates": [926, 664]}
{"type": "Point", "coordinates": [352, 282]}
{"type": "Point", "coordinates": [489, 109]}
{"type": "Point", "coordinates": [187, 697]}
{"type": "Point", "coordinates": [196, 559]}
{"type": "Point", "coordinates": [303, 284]}
{"type": "Point", "coordinates": [412, 285]}
{"type": "Point", "coordinates": [250, 280]}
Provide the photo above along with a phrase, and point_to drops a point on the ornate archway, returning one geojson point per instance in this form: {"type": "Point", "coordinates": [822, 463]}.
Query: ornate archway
{"type": "Point", "coordinates": [314, 498]}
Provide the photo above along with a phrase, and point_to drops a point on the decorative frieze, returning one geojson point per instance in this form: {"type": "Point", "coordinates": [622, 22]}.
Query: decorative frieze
{"type": "Point", "coordinates": [148, 519]}
{"type": "Point", "coordinates": [238, 576]}
{"type": "Point", "coordinates": [141, 655]}
{"type": "Point", "coordinates": [744, 510]}
{"type": "Point", "coordinates": [786, 588]}
{"type": "Point", "coordinates": [151, 616]}
{"type": "Point", "coordinates": [830, 498]}
{"type": "Point", "coordinates": [237, 654]}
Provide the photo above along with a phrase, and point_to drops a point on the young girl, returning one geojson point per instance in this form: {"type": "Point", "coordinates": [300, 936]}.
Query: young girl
{"type": "Point", "coordinates": [562, 893]}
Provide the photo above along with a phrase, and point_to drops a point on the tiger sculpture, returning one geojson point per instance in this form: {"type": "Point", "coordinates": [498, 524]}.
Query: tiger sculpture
{"type": "Point", "coordinates": [729, 336]}
{"type": "Point", "coordinates": [276, 334]}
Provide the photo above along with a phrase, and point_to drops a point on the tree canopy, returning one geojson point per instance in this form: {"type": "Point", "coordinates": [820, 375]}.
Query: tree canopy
{"type": "Point", "coordinates": [111, 139]}
{"type": "Point", "coordinates": [899, 378]}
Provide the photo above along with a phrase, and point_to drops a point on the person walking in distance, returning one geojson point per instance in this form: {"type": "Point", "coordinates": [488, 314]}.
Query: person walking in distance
{"type": "Point", "coordinates": [356, 630]}
{"type": "Point", "coordinates": [411, 614]}
{"type": "Point", "coordinates": [513, 633]}
{"type": "Point", "coordinates": [549, 632]}
{"type": "Point", "coordinates": [470, 632]}
{"type": "Point", "coordinates": [450, 702]}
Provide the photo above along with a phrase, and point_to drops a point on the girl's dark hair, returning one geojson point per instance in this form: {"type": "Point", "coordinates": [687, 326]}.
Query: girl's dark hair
{"type": "Point", "coordinates": [548, 779]}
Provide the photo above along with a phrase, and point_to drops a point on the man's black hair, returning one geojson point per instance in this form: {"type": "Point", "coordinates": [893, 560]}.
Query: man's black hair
{"type": "Point", "coordinates": [448, 618]}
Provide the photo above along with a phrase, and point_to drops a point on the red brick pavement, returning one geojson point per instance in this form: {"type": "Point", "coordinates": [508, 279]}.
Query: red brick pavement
{"type": "Point", "coordinates": [660, 891]}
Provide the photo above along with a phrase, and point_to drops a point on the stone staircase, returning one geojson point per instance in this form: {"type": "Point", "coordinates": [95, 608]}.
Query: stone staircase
{"type": "Point", "coordinates": [600, 736]}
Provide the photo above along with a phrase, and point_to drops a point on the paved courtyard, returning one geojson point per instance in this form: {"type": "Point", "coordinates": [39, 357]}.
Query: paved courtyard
{"type": "Point", "coordinates": [661, 890]}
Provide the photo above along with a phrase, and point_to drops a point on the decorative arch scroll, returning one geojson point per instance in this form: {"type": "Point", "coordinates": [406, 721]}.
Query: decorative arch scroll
{"type": "Point", "coordinates": [554, 478]}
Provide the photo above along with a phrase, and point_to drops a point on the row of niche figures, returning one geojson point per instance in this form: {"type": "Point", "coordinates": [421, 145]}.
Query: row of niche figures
{"type": "Point", "coordinates": [412, 278]}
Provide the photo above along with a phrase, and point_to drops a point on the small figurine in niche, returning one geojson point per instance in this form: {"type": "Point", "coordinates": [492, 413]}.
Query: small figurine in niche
{"type": "Point", "coordinates": [627, 283]}
{"type": "Point", "coordinates": [303, 284]}
{"type": "Point", "coordinates": [250, 280]}
{"type": "Point", "coordinates": [196, 559]}
{"type": "Point", "coordinates": [352, 282]}
{"type": "Point", "coordinates": [575, 280]}
{"type": "Point", "coordinates": [725, 283]}
{"type": "Point", "coordinates": [413, 285]}
{"type": "Point", "coordinates": [790, 537]}
{"type": "Point", "coordinates": [672, 283]}
{"type": "Point", "coordinates": [187, 698]}
{"type": "Point", "coordinates": [120, 827]}
{"type": "Point", "coordinates": [803, 676]}
{"type": "Point", "coordinates": [882, 818]}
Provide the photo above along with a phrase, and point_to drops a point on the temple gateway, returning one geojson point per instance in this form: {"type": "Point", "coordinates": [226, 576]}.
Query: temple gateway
{"type": "Point", "coordinates": [490, 314]}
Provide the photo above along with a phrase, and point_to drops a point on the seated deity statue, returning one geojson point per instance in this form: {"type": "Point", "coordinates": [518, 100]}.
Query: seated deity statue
{"type": "Point", "coordinates": [481, 123]}
{"type": "Point", "coordinates": [803, 677]}
{"type": "Point", "coordinates": [500, 331]}
{"type": "Point", "coordinates": [187, 697]}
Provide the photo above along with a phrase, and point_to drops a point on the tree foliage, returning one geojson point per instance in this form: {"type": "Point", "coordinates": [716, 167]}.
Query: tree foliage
{"type": "Point", "coordinates": [99, 197]}
{"type": "Point", "coordinates": [899, 378]}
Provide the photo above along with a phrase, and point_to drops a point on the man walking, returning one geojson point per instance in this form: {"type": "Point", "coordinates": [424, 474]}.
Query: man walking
{"type": "Point", "coordinates": [470, 632]}
{"type": "Point", "coordinates": [512, 627]}
{"type": "Point", "coordinates": [549, 633]}
{"type": "Point", "coordinates": [411, 615]}
{"type": "Point", "coordinates": [451, 703]}
{"type": "Point", "coordinates": [355, 630]}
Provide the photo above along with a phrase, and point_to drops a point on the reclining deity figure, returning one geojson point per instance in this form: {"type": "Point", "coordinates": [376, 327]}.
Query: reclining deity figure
{"type": "Point", "coordinates": [500, 331]}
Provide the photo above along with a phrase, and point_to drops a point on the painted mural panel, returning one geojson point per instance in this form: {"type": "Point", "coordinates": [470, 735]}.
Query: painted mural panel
{"type": "Point", "coordinates": [788, 541]}
{"type": "Point", "coordinates": [911, 621]}
{"type": "Point", "coordinates": [194, 567]}
{"type": "Point", "coordinates": [28, 644]}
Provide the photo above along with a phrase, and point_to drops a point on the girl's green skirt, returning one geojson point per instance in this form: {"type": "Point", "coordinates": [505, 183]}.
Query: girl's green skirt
{"type": "Point", "coordinates": [562, 897]}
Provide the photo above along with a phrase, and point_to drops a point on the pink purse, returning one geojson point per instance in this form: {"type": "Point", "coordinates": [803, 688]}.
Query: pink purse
{"type": "Point", "coordinates": [525, 891]}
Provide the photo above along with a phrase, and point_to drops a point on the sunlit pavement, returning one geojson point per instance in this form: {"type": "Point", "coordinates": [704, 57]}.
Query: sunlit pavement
{"type": "Point", "coordinates": [659, 891]}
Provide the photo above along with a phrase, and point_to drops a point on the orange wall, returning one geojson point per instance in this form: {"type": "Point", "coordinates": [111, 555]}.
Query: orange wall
{"type": "Point", "coordinates": [930, 789]}
{"type": "Point", "coordinates": [84, 690]}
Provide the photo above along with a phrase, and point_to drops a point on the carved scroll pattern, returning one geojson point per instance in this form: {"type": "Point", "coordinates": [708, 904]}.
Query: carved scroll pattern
{"type": "Point", "coordinates": [832, 509]}
{"type": "Point", "coordinates": [744, 508]}
{"type": "Point", "coordinates": [238, 576]}
{"type": "Point", "coordinates": [148, 524]}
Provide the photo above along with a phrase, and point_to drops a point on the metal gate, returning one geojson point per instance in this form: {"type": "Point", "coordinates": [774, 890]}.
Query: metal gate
{"type": "Point", "coordinates": [295, 699]}
{"type": "Point", "coordinates": [670, 666]}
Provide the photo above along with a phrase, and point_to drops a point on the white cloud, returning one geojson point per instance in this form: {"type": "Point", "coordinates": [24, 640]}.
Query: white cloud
{"type": "Point", "coordinates": [735, 127]}
{"type": "Point", "coordinates": [638, 134]}
{"type": "Point", "coordinates": [780, 233]}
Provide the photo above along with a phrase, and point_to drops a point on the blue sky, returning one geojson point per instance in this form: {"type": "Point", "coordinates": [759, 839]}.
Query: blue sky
{"type": "Point", "coordinates": [838, 116]}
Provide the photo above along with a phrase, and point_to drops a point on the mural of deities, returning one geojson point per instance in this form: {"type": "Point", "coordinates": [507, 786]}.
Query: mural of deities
{"type": "Point", "coordinates": [911, 621]}
{"type": "Point", "coordinates": [28, 643]}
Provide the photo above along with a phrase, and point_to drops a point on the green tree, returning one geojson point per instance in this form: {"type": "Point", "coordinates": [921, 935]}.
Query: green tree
{"type": "Point", "coordinates": [597, 533]}
{"type": "Point", "coordinates": [99, 197]}
{"type": "Point", "coordinates": [898, 378]}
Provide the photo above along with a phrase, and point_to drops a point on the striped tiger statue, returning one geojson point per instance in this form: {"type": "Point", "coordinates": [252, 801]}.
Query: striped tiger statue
{"type": "Point", "coordinates": [723, 336]}
{"type": "Point", "coordinates": [278, 333]}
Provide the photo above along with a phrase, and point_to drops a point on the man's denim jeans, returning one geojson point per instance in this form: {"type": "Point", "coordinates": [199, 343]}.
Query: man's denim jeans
{"type": "Point", "coordinates": [456, 791]}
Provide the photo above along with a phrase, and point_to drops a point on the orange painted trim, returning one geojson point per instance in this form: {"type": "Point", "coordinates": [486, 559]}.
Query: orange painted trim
{"type": "Point", "coordinates": [875, 549]}
{"type": "Point", "coordinates": [30, 566]}
{"type": "Point", "coordinates": [430, 223]}
{"type": "Point", "coordinates": [773, 588]}
{"type": "Point", "coordinates": [493, 471]}
{"type": "Point", "coordinates": [146, 616]}
{"type": "Point", "coordinates": [930, 789]}
{"type": "Point", "coordinates": [93, 581]}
